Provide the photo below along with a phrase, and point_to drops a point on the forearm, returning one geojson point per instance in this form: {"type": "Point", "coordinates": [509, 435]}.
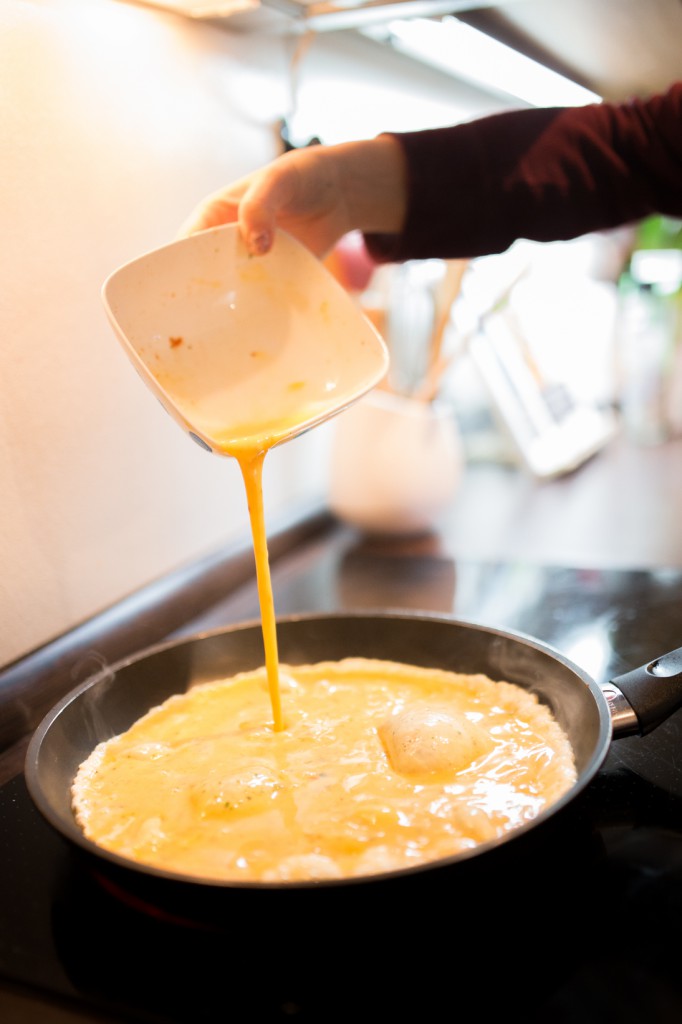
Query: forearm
{"type": "Point", "coordinates": [474, 188]}
{"type": "Point", "coordinates": [372, 179]}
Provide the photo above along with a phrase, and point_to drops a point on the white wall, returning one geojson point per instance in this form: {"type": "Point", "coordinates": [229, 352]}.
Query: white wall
{"type": "Point", "coordinates": [114, 121]}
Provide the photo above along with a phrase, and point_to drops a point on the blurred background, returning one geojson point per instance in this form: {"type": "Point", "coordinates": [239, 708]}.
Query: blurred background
{"type": "Point", "coordinates": [117, 118]}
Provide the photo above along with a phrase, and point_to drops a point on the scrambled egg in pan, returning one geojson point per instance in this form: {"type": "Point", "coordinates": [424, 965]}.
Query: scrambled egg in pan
{"type": "Point", "coordinates": [380, 766]}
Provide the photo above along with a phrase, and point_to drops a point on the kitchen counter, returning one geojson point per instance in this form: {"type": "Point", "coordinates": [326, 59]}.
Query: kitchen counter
{"type": "Point", "coordinates": [622, 509]}
{"type": "Point", "coordinates": [585, 930]}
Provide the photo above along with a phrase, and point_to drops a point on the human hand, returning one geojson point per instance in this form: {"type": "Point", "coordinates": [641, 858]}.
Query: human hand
{"type": "Point", "coordinates": [317, 194]}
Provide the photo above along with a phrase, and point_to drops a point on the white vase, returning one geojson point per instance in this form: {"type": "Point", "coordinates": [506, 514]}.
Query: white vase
{"type": "Point", "coordinates": [395, 464]}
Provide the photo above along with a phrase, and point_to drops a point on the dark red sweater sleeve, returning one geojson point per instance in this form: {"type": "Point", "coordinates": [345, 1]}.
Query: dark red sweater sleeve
{"type": "Point", "coordinates": [544, 175]}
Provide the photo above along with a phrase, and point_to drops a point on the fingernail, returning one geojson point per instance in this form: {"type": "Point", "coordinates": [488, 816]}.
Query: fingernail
{"type": "Point", "coordinates": [260, 242]}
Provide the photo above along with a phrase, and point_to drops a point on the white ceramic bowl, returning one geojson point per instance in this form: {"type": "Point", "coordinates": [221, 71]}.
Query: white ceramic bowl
{"type": "Point", "coordinates": [238, 347]}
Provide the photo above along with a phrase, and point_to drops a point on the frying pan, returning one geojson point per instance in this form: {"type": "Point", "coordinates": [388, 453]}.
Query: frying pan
{"type": "Point", "coordinates": [111, 700]}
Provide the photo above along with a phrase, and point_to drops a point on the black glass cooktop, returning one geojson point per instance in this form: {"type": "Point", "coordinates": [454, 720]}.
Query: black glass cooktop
{"type": "Point", "coordinates": [581, 923]}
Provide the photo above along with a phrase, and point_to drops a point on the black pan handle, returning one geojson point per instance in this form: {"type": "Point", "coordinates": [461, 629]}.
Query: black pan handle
{"type": "Point", "coordinates": [654, 691]}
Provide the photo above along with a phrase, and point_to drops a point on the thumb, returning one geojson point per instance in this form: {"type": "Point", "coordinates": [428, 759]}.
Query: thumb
{"type": "Point", "coordinates": [219, 208]}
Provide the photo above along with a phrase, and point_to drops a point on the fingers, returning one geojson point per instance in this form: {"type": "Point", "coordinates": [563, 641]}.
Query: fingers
{"type": "Point", "coordinates": [252, 202]}
{"type": "Point", "coordinates": [297, 192]}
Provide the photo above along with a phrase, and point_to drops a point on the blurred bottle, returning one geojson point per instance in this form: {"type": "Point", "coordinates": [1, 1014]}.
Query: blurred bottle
{"type": "Point", "coordinates": [649, 333]}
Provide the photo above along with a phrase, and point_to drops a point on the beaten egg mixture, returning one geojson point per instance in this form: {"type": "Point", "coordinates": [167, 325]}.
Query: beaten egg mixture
{"type": "Point", "coordinates": [378, 766]}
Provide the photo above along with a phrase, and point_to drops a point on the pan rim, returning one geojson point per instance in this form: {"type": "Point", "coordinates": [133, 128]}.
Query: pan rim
{"type": "Point", "coordinates": [74, 835]}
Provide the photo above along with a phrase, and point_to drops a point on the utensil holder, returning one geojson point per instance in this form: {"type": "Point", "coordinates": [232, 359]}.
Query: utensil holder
{"type": "Point", "coordinates": [395, 464]}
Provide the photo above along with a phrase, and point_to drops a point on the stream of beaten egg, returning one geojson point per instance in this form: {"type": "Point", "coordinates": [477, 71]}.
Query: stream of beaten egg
{"type": "Point", "coordinates": [251, 465]}
{"type": "Point", "coordinates": [249, 444]}
{"type": "Point", "coordinates": [381, 766]}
